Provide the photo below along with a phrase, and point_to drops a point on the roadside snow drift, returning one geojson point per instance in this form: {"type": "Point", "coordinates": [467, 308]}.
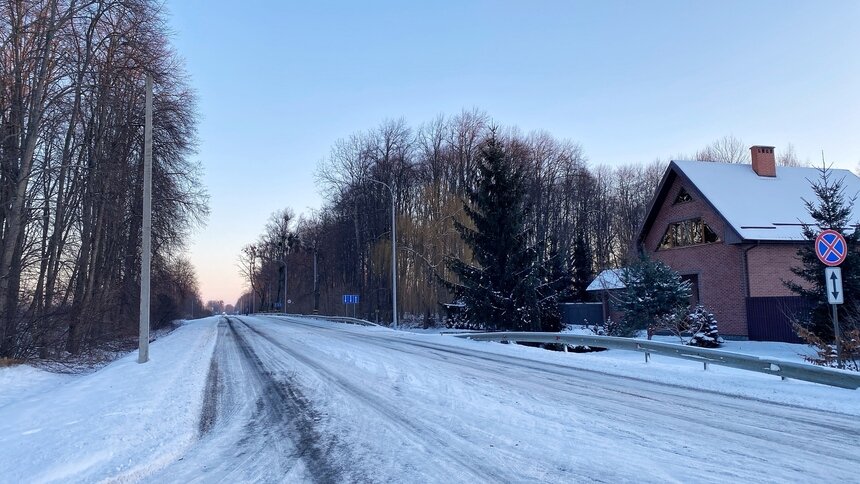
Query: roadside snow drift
{"type": "Point", "coordinates": [123, 421]}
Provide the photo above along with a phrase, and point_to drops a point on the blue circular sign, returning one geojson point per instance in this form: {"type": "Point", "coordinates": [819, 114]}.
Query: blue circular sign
{"type": "Point", "coordinates": [831, 248]}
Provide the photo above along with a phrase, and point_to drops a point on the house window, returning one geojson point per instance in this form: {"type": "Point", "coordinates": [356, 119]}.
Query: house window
{"type": "Point", "coordinates": [683, 196]}
{"type": "Point", "coordinates": [688, 232]}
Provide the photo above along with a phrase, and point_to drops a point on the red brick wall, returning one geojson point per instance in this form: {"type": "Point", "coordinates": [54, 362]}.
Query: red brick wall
{"type": "Point", "coordinates": [720, 267]}
{"type": "Point", "coordinates": [770, 265]}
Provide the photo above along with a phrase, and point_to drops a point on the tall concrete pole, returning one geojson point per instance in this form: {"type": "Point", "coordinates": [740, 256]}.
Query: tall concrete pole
{"type": "Point", "coordinates": [316, 290]}
{"type": "Point", "coordinates": [146, 245]}
{"type": "Point", "coordinates": [393, 261]}
{"type": "Point", "coordinates": [285, 284]}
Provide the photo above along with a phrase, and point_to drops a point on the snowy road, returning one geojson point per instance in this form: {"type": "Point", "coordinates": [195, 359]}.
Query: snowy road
{"type": "Point", "coordinates": [296, 400]}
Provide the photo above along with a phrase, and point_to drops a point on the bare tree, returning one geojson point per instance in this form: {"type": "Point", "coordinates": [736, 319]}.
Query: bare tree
{"type": "Point", "coordinates": [727, 149]}
{"type": "Point", "coordinates": [788, 157]}
{"type": "Point", "coordinates": [71, 101]}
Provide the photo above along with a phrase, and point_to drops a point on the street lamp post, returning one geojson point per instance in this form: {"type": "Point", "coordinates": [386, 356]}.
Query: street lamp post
{"type": "Point", "coordinates": [393, 253]}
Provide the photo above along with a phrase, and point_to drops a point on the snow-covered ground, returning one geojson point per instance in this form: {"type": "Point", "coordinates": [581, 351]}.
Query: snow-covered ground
{"type": "Point", "coordinates": [120, 422]}
{"type": "Point", "coordinates": [302, 400]}
{"type": "Point", "coordinates": [23, 382]}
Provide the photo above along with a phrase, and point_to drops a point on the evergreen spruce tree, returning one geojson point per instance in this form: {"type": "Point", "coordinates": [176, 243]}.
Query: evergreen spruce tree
{"type": "Point", "coordinates": [555, 288]}
{"type": "Point", "coordinates": [653, 295]}
{"type": "Point", "coordinates": [500, 290]}
{"type": "Point", "coordinates": [831, 210]}
{"type": "Point", "coordinates": [583, 264]}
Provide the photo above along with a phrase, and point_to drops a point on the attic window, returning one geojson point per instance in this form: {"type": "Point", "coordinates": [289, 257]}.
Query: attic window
{"type": "Point", "coordinates": [683, 196]}
{"type": "Point", "coordinates": [686, 233]}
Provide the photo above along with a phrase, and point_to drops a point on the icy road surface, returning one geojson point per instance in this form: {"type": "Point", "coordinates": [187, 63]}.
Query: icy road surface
{"type": "Point", "coordinates": [295, 400]}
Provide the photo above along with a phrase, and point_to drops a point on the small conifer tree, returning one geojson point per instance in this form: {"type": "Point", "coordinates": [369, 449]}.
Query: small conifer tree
{"type": "Point", "coordinates": [703, 326]}
{"type": "Point", "coordinates": [653, 293]}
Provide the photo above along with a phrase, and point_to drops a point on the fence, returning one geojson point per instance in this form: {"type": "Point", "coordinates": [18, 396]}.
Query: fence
{"type": "Point", "coordinates": [784, 369]}
{"type": "Point", "coordinates": [581, 313]}
{"type": "Point", "coordinates": [770, 318]}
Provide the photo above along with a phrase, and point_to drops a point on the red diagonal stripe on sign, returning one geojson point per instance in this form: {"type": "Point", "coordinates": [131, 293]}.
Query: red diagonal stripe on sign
{"type": "Point", "coordinates": [831, 247]}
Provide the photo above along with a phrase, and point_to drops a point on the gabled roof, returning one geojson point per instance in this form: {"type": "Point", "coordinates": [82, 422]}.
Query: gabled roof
{"type": "Point", "coordinates": [608, 279]}
{"type": "Point", "coordinates": [756, 208]}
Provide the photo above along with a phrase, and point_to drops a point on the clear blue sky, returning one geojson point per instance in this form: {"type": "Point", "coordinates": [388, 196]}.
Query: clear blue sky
{"type": "Point", "coordinates": [279, 82]}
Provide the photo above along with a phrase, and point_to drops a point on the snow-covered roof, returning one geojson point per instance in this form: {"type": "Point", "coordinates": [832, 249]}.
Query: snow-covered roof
{"type": "Point", "coordinates": [606, 280]}
{"type": "Point", "coordinates": [760, 207]}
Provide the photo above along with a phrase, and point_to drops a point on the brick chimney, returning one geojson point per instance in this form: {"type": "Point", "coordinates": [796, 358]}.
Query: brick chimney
{"type": "Point", "coordinates": [763, 161]}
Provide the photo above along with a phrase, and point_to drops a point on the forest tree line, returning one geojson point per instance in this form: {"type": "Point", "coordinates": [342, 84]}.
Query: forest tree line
{"type": "Point", "coordinates": [71, 143]}
{"type": "Point", "coordinates": [587, 214]}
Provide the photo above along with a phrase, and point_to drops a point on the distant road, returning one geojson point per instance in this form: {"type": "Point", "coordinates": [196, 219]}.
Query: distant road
{"type": "Point", "coordinates": [296, 400]}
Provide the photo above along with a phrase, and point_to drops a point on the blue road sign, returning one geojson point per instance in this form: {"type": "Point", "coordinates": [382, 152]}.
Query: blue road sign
{"type": "Point", "coordinates": [831, 248]}
{"type": "Point", "coordinates": [350, 298]}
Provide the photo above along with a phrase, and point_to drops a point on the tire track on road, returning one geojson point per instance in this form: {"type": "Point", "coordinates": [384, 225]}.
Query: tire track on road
{"type": "Point", "coordinates": [285, 402]}
{"type": "Point", "coordinates": [478, 471]}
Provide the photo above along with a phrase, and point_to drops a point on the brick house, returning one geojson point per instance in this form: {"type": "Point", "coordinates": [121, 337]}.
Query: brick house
{"type": "Point", "coordinates": [733, 231]}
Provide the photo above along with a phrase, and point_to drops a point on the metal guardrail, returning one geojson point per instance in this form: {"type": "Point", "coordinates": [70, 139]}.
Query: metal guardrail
{"type": "Point", "coordinates": [770, 366]}
{"type": "Point", "coordinates": [336, 319]}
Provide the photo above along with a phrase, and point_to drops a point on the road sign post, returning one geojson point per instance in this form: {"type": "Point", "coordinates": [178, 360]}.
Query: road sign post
{"type": "Point", "coordinates": [347, 300]}
{"type": "Point", "coordinates": [832, 249]}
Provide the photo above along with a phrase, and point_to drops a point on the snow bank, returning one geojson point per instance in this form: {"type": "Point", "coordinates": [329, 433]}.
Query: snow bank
{"type": "Point", "coordinates": [22, 382]}
{"type": "Point", "coordinates": [120, 422]}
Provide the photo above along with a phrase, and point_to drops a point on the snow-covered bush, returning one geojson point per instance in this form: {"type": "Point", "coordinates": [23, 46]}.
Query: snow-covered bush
{"type": "Point", "coordinates": [702, 324]}
{"type": "Point", "coordinates": [608, 328]}
{"type": "Point", "coordinates": [697, 323]}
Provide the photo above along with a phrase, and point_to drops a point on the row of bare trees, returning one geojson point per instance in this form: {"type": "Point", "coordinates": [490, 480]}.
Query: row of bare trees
{"type": "Point", "coordinates": [429, 169]}
{"type": "Point", "coordinates": [590, 214]}
{"type": "Point", "coordinates": [71, 141]}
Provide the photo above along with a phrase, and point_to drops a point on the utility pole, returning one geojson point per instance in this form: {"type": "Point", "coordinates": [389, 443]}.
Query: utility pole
{"type": "Point", "coordinates": [146, 245]}
{"type": "Point", "coordinates": [393, 261]}
{"type": "Point", "coordinates": [285, 283]}
{"type": "Point", "coordinates": [316, 288]}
